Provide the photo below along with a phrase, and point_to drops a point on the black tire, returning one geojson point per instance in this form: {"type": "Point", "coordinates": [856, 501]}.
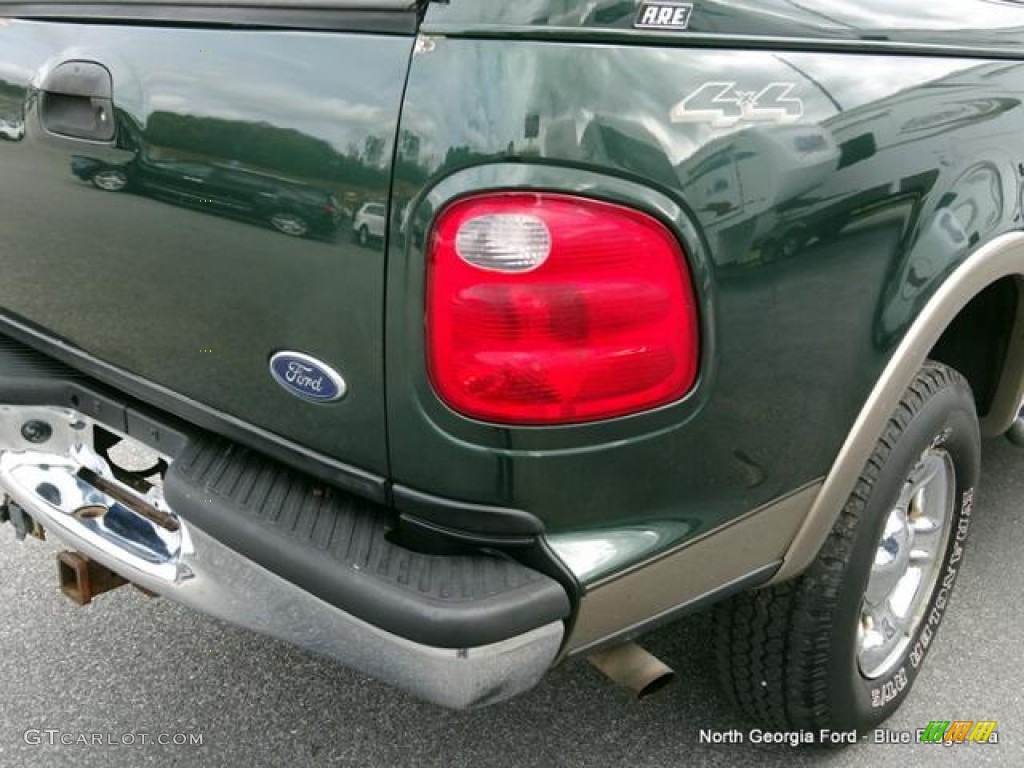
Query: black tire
{"type": "Point", "coordinates": [363, 236]}
{"type": "Point", "coordinates": [788, 655]}
{"type": "Point", "coordinates": [793, 242]}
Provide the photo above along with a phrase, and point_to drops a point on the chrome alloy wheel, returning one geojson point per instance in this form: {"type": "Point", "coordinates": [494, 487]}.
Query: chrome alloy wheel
{"type": "Point", "coordinates": [907, 564]}
{"type": "Point", "coordinates": [110, 180]}
{"type": "Point", "coordinates": [289, 224]}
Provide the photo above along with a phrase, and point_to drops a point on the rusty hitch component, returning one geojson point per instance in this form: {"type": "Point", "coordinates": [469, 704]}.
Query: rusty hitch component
{"type": "Point", "coordinates": [82, 579]}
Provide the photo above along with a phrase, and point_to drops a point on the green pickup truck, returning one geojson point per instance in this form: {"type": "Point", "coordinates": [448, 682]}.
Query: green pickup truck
{"type": "Point", "coordinates": [678, 305]}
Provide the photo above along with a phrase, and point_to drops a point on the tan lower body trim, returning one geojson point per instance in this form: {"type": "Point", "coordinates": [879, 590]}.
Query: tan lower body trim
{"type": "Point", "coordinates": [686, 574]}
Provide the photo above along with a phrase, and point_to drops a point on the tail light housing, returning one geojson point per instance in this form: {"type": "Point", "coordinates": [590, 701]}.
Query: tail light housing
{"type": "Point", "coordinates": [552, 309]}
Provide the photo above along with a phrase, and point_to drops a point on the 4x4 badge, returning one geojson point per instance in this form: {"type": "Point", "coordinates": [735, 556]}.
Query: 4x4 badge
{"type": "Point", "coordinates": [663, 15]}
{"type": "Point", "coordinates": [724, 104]}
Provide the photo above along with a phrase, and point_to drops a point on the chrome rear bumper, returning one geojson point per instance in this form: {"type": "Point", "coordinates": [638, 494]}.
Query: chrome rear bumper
{"type": "Point", "coordinates": [71, 491]}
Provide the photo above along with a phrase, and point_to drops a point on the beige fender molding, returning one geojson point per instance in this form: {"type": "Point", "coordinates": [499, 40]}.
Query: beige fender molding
{"type": "Point", "coordinates": [1001, 257]}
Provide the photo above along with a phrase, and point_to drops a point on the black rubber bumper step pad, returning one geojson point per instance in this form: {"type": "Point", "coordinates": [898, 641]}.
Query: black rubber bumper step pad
{"type": "Point", "coordinates": [335, 545]}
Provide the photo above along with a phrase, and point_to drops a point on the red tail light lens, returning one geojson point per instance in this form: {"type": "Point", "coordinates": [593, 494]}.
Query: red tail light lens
{"type": "Point", "coordinates": [550, 309]}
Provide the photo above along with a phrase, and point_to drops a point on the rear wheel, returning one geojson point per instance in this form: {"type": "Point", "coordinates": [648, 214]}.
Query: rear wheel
{"type": "Point", "coordinates": [289, 224]}
{"type": "Point", "coordinates": [363, 236]}
{"type": "Point", "coordinates": [110, 180]}
{"type": "Point", "coordinates": [839, 647]}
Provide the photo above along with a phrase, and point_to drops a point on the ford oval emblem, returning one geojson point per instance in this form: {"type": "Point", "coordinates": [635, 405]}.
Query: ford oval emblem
{"type": "Point", "coordinates": [307, 377]}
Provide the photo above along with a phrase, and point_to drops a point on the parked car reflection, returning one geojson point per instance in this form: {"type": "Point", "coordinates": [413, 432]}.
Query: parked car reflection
{"type": "Point", "coordinates": [227, 189]}
{"type": "Point", "coordinates": [369, 223]}
{"type": "Point", "coordinates": [12, 130]}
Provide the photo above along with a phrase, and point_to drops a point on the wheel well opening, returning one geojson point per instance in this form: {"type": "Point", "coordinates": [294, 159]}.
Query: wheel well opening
{"type": "Point", "coordinates": [977, 341]}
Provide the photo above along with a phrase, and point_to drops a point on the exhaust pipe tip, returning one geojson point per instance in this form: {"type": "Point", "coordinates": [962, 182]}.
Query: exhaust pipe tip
{"type": "Point", "coordinates": [632, 667]}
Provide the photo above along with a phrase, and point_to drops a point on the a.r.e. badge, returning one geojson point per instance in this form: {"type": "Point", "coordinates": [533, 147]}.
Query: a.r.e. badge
{"type": "Point", "coordinates": [663, 15]}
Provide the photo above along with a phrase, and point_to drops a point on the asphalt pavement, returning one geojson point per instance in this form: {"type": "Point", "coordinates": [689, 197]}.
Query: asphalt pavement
{"type": "Point", "coordinates": [136, 671]}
